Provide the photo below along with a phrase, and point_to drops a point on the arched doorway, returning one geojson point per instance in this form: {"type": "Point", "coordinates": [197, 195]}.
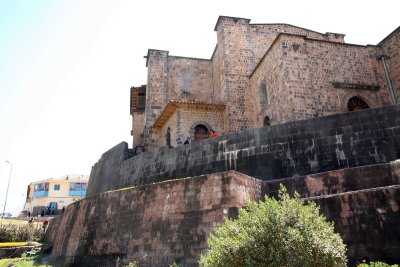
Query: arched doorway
{"type": "Point", "coordinates": [355, 103]}
{"type": "Point", "coordinates": [267, 121]}
{"type": "Point", "coordinates": [200, 132]}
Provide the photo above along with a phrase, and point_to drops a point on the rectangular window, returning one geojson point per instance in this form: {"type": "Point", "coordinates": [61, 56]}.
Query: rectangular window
{"type": "Point", "coordinates": [78, 186]}
{"type": "Point", "coordinates": [56, 187]}
{"type": "Point", "coordinates": [41, 187]}
{"type": "Point", "coordinates": [141, 103]}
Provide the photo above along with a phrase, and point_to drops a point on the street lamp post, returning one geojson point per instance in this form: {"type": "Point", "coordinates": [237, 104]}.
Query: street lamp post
{"type": "Point", "coordinates": [8, 186]}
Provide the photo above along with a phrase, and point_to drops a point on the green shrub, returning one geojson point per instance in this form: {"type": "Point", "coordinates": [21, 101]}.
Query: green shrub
{"type": "Point", "coordinates": [376, 264]}
{"type": "Point", "coordinates": [18, 233]}
{"type": "Point", "coordinates": [283, 232]}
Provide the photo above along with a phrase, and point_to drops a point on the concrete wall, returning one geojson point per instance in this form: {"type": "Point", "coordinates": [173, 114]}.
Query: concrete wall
{"type": "Point", "coordinates": [297, 148]}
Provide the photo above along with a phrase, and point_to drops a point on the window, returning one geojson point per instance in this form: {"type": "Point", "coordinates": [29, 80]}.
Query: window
{"type": "Point", "coordinates": [141, 102]}
{"type": "Point", "coordinates": [263, 94]}
{"type": "Point", "coordinates": [185, 82]}
{"type": "Point", "coordinates": [41, 187]}
{"type": "Point", "coordinates": [56, 187]}
{"type": "Point", "coordinates": [356, 103]}
{"type": "Point", "coordinates": [77, 186]}
{"type": "Point", "coordinates": [168, 137]}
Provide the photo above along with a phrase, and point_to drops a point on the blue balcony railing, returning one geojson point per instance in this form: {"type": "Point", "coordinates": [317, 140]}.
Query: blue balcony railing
{"type": "Point", "coordinates": [77, 193]}
{"type": "Point", "coordinates": [41, 193]}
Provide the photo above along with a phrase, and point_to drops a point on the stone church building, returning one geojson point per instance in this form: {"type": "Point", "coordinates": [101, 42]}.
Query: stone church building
{"type": "Point", "coordinates": [281, 97]}
{"type": "Point", "coordinates": [258, 75]}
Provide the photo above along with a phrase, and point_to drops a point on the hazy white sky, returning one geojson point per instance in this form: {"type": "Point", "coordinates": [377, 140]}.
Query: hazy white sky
{"type": "Point", "coordinates": [66, 68]}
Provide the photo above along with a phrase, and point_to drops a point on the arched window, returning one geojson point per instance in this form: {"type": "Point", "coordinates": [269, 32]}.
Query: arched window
{"type": "Point", "coordinates": [267, 121]}
{"type": "Point", "coordinates": [356, 103]}
{"type": "Point", "coordinates": [200, 132]}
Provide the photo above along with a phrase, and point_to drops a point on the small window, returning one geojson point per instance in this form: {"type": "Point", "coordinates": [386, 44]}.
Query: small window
{"type": "Point", "coordinates": [56, 187]}
{"type": "Point", "coordinates": [263, 95]}
{"type": "Point", "coordinates": [168, 137]}
{"type": "Point", "coordinates": [141, 103]}
{"type": "Point", "coordinates": [185, 82]}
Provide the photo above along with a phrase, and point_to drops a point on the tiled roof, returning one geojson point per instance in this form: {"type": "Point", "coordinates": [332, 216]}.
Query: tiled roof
{"type": "Point", "coordinates": [172, 105]}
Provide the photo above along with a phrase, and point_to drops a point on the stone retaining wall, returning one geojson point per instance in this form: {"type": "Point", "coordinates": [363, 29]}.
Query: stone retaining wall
{"type": "Point", "coordinates": [154, 224]}
{"type": "Point", "coordinates": [291, 149]}
{"type": "Point", "coordinates": [171, 221]}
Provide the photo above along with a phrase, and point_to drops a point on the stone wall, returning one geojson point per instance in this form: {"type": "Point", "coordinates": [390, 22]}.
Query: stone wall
{"type": "Point", "coordinates": [234, 37]}
{"type": "Point", "coordinates": [391, 49]}
{"type": "Point", "coordinates": [154, 224]}
{"type": "Point", "coordinates": [156, 91]}
{"type": "Point", "coordinates": [297, 148]}
{"type": "Point", "coordinates": [263, 35]}
{"type": "Point", "coordinates": [190, 118]}
{"type": "Point", "coordinates": [218, 72]}
{"type": "Point", "coordinates": [309, 69]}
{"type": "Point", "coordinates": [368, 222]}
{"type": "Point", "coordinates": [268, 87]}
{"type": "Point", "coordinates": [171, 124]}
{"type": "Point", "coordinates": [300, 68]}
{"type": "Point", "coordinates": [240, 47]}
{"type": "Point", "coordinates": [137, 129]}
{"type": "Point", "coordinates": [339, 181]}
{"type": "Point", "coordinates": [171, 221]}
{"type": "Point", "coordinates": [108, 169]}
{"type": "Point", "coordinates": [193, 74]}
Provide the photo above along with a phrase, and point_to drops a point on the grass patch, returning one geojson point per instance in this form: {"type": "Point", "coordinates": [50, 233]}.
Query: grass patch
{"type": "Point", "coordinates": [17, 222]}
{"type": "Point", "coordinates": [24, 261]}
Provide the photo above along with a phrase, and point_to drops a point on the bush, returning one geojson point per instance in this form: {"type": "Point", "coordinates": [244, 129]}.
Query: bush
{"type": "Point", "coordinates": [376, 264]}
{"type": "Point", "coordinates": [19, 233]}
{"type": "Point", "coordinates": [283, 232]}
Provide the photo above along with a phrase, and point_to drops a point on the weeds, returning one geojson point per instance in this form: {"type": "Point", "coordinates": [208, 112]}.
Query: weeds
{"type": "Point", "coordinates": [19, 233]}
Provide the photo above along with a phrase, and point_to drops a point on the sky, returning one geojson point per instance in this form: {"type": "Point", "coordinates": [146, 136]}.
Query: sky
{"type": "Point", "coordinates": [66, 68]}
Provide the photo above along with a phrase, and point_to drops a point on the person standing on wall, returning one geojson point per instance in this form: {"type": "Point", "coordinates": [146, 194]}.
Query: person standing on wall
{"type": "Point", "coordinates": [213, 134]}
{"type": "Point", "coordinates": [45, 224]}
{"type": "Point", "coordinates": [187, 141]}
